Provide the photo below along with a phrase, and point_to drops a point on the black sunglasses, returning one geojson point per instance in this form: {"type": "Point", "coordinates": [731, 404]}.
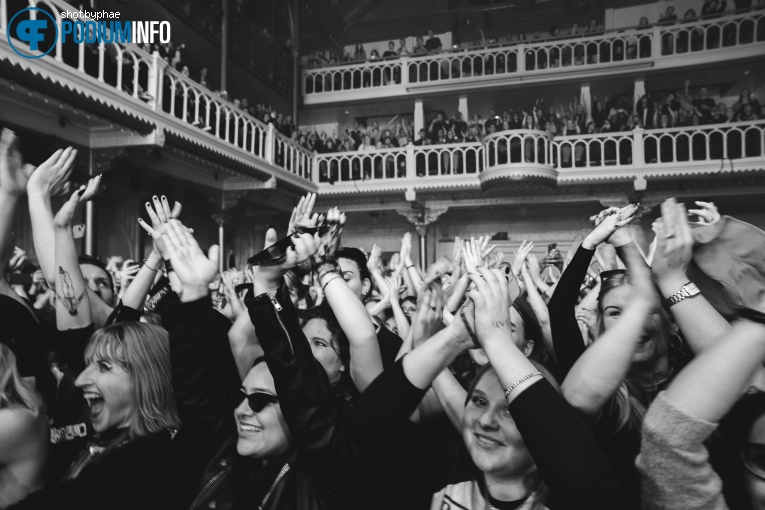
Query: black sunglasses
{"type": "Point", "coordinates": [277, 252]}
{"type": "Point", "coordinates": [258, 400]}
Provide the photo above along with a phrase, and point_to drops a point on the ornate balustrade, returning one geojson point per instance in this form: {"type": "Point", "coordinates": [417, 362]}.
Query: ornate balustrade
{"type": "Point", "coordinates": [616, 50]}
{"type": "Point", "coordinates": [143, 85]}
{"type": "Point", "coordinates": [528, 155]}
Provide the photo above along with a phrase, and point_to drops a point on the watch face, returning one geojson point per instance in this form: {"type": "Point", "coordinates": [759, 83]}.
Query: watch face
{"type": "Point", "coordinates": [691, 289]}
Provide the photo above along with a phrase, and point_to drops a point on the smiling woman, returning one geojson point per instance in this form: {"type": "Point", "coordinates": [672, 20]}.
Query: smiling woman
{"type": "Point", "coordinates": [131, 462]}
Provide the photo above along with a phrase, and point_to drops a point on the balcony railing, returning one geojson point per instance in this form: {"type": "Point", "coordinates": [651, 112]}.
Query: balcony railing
{"type": "Point", "coordinates": [172, 97]}
{"type": "Point", "coordinates": [536, 155]}
{"type": "Point", "coordinates": [610, 49]}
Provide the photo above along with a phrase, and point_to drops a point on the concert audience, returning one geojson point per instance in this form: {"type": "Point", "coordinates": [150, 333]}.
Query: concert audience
{"type": "Point", "coordinates": [319, 377]}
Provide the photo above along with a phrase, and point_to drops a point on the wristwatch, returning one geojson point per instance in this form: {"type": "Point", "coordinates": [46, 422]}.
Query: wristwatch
{"type": "Point", "coordinates": [688, 290]}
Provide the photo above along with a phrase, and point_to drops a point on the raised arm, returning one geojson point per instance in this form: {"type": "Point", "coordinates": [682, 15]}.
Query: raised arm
{"type": "Point", "coordinates": [600, 370]}
{"type": "Point", "coordinates": [582, 476]}
{"type": "Point", "coordinates": [135, 295]}
{"type": "Point", "coordinates": [366, 362]}
{"type": "Point", "coordinates": [13, 181]}
{"type": "Point", "coordinates": [72, 301]}
{"type": "Point", "coordinates": [567, 339]}
{"type": "Point", "coordinates": [682, 418]}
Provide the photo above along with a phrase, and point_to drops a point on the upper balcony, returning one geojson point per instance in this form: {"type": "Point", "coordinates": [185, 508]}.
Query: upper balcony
{"type": "Point", "coordinates": [618, 52]}
{"type": "Point", "coordinates": [524, 156]}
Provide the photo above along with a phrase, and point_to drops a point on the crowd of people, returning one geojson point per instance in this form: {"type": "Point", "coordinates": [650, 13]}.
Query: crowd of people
{"type": "Point", "coordinates": [636, 46]}
{"type": "Point", "coordinates": [317, 376]}
{"type": "Point", "coordinates": [673, 109]}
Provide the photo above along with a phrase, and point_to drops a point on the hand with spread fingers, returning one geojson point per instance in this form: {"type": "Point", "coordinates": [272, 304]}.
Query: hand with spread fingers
{"type": "Point", "coordinates": [707, 213]}
{"type": "Point", "coordinates": [63, 218]}
{"type": "Point", "coordinates": [674, 246]}
{"type": "Point", "coordinates": [159, 214]}
{"type": "Point", "coordinates": [472, 256]}
{"type": "Point", "coordinates": [235, 306]}
{"type": "Point", "coordinates": [331, 241]}
{"type": "Point", "coordinates": [520, 256]}
{"type": "Point", "coordinates": [301, 214]}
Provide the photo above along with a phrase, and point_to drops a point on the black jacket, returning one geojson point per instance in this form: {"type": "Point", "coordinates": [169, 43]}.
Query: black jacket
{"type": "Point", "coordinates": [322, 468]}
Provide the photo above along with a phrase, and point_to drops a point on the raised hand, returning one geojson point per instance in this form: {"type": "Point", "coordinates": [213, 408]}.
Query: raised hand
{"type": "Point", "coordinates": [194, 269]}
{"type": "Point", "coordinates": [606, 223]}
{"type": "Point", "coordinates": [159, 214]}
{"type": "Point", "coordinates": [533, 263]}
{"type": "Point", "coordinates": [50, 178]}
{"type": "Point", "coordinates": [430, 313]}
{"type": "Point", "coordinates": [708, 213]}
{"type": "Point", "coordinates": [331, 241]}
{"type": "Point", "coordinates": [128, 272]}
{"type": "Point", "coordinates": [17, 259]}
{"type": "Point", "coordinates": [14, 175]}
{"type": "Point", "coordinates": [373, 262]}
{"type": "Point", "coordinates": [674, 245]}
{"type": "Point", "coordinates": [301, 214]}
{"type": "Point", "coordinates": [232, 298]}
{"type": "Point", "coordinates": [406, 248]}
{"type": "Point", "coordinates": [520, 256]}
{"type": "Point", "coordinates": [491, 298]}
{"type": "Point", "coordinates": [472, 256]}
{"type": "Point", "coordinates": [64, 216]}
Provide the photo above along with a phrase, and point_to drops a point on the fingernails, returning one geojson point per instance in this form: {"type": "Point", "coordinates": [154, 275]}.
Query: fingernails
{"type": "Point", "coordinates": [148, 204]}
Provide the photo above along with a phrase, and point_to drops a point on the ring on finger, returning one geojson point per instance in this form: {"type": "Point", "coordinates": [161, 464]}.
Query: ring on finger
{"type": "Point", "coordinates": [671, 235]}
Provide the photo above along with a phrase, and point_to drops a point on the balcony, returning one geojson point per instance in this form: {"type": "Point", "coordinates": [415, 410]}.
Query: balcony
{"type": "Point", "coordinates": [145, 102]}
{"type": "Point", "coordinates": [612, 53]}
{"type": "Point", "coordinates": [525, 156]}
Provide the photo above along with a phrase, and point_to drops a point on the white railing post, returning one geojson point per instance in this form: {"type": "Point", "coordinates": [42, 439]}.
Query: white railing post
{"type": "Point", "coordinates": [655, 42]}
{"type": "Point", "coordinates": [411, 170]}
{"type": "Point", "coordinates": [404, 71]}
{"type": "Point", "coordinates": [638, 151]}
{"type": "Point", "coordinates": [521, 58]}
{"type": "Point", "coordinates": [3, 15]}
{"type": "Point", "coordinates": [154, 80]}
{"type": "Point", "coordinates": [315, 167]}
{"type": "Point", "coordinates": [270, 143]}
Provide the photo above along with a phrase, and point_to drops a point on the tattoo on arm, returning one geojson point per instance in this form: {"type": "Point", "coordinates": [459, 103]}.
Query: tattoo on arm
{"type": "Point", "coordinates": [67, 296]}
{"type": "Point", "coordinates": [501, 324]}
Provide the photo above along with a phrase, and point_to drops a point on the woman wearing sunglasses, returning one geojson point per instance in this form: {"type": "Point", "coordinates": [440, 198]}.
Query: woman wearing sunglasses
{"type": "Point", "coordinates": [281, 445]}
{"type": "Point", "coordinates": [674, 461]}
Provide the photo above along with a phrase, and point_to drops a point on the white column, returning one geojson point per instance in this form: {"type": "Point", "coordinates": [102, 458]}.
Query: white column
{"type": "Point", "coordinates": [638, 92]}
{"type": "Point", "coordinates": [463, 108]}
{"type": "Point", "coordinates": [419, 117]}
{"type": "Point", "coordinates": [222, 254]}
{"type": "Point", "coordinates": [586, 99]}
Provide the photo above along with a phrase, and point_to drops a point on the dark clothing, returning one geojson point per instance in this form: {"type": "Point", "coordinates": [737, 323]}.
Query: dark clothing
{"type": "Point", "coordinates": [320, 469]}
{"type": "Point", "coordinates": [390, 344]}
{"type": "Point", "coordinates": [433, 44]}
{"type": "Point", "coordinates": [562, 446]}
{"type": "Point", "coordinates": [705, 107]}
{"type": "Point", "coordinates": [143, 473]}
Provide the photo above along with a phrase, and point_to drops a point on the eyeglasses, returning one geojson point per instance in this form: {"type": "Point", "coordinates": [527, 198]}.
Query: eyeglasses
{"type": "Point", "coordinates": [258, 400]}
{"type": "Point", "coordinates": [277, 252]}
{"type": "Point", "coordinates": [753, 455]}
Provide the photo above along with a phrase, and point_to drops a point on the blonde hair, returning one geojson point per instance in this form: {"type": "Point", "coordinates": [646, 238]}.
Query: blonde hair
{"type": "Point", "coordinates": [14, 390]}
{"type": "Point", "coordinates": [143, 351]}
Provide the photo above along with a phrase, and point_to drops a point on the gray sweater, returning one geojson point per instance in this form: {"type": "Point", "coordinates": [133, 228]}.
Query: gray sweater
{"type": "Point", "coordinates": [674, 463]}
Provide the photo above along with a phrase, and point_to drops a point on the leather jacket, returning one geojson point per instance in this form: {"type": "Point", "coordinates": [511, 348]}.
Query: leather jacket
{"type": "Point", "coordinates": [321, 468]}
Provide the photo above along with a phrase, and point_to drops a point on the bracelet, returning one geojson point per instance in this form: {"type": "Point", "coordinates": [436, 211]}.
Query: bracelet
{"type": "Point", "coordinates": [410, 266]}
{"type": "Point", "coordinates": [519, 381]}
{"type": "Point", "coordinates": [168, 266]}
{"type": "Point", "coordinates": [147, 265]}
{"type": "Point", "coordinates": [328, 282]}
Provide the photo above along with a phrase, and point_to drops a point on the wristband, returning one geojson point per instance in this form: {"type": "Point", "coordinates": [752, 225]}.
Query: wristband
{"type": "Point", "coordinates": [327, 266]}
{"type": "Point", "coordinates": [517, 383]}
{"type": "Point", "coordinates": [168, 266]}
{"type": "Point", "coordinates": [328, 282]}
{"type": "Point", "coordinates": [147, 265]}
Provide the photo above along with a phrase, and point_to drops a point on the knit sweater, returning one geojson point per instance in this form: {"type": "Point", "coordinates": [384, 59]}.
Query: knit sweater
{"type": "Point", "coordinates": [674, 463]}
